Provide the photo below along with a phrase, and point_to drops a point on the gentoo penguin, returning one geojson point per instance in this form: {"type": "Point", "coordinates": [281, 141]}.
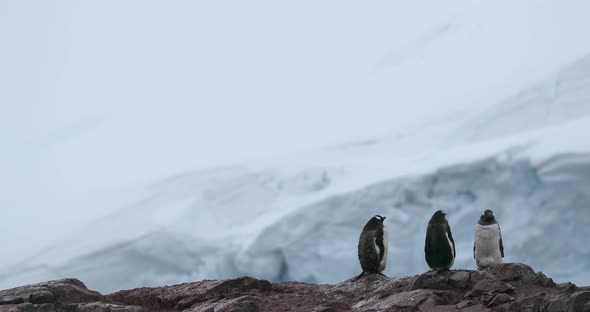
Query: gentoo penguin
{"type": "Point", "coordinates": [487, 241]}
{"type": "Point", "coordinates": [372, 248]}
{"type": "Point", "coordinates": [439, 247]}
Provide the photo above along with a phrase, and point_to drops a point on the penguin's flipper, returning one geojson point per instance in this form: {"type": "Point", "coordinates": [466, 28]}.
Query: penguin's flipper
{"type": "Point", "coordinates": [501, 244]}
{"type": "Point", "coordinates": [474, 248]}
{"type": "Point", "coordinates": [452, 240]}
{"type": "Point", "coordinates": [428, 250]}
{"type": "Point", "coordinates": [379, 243]}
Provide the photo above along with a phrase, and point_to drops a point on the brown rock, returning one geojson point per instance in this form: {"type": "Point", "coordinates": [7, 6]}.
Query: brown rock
{"type": "Point", "coordinates": [72, 291]}
{"type": "Point", "coordinates": [184, 296]}
{"type": "Point", "coordinates": [489, 287]}
{"type": "Point", "coordinates": [241, 304]}
{"type": "Point", "coordinates": [231, 288]}
{"type": "Point", "coordinates": [428, 305]}
{"type": "Point", "coordinates": [106, 307]}
{"type": "Point", "coordinates": [476, 308]}
{"type": "Point", "coordinates": [476, 276]}
{"type": "Point", "coordinates": [517, 272]}
{"type": "Point", "coordinates": [567, 287]}
{"type": "Point", "coordinates": [532, 303]}
{"type": "Point", "coordinates": [405, 299]}
{"type": "Point", "coordinates": [542, 280]}
{"type": "Point", "coordinates": [485, 290]}
{"type": "Point", "coordinates": [459, 279]}
{"type": "Point", "coordinates": [41, 296]}
{"type": "Point", "coordinates": [580, 302]}
{"type": "Point", "coordinates": [556, 304]}
{"type": "Point", "coordinates": [25, 307]}
{"type": "Point", "coordinates": [7, 307]}
{"type": "Point", "coordinates": [11, 299]}
{"type": "Point", "coordinates": [64, 291]}
{"type": "Point", "coordinates": [486, 298]}
{"type": "Point", "coordinates": [245, 306]}
{"type": "Point", "coordinates": [464, 304]}
{"type": "Point", "coordinates": [500, 299]}
{"type": "Point", "coordinates": [431, 280]}
{"type": "Point", "coordinates": [45, 307]}
{"type": "Point", "coordinates": [332, 307]}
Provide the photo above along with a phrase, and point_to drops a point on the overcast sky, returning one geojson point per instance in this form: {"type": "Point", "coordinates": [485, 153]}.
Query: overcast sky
{"type": "Point", "coordinates": [99, 96]}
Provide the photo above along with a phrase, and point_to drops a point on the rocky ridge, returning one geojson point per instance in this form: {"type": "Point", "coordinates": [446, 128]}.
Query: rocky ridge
{"type": "Point", "coordinates": [503, 287]}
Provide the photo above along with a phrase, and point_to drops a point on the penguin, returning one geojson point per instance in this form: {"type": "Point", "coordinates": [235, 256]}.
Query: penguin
{"type": "Point", "coordinates": [439, 247]}
{"type": "Point", "coordinates": [487, 241]}
{"type": "Point", "coordinates": [372, 247]}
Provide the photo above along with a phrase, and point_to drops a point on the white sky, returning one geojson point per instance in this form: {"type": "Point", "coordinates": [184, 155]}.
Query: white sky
{"type": "Point", "coordinates": [96, 96]}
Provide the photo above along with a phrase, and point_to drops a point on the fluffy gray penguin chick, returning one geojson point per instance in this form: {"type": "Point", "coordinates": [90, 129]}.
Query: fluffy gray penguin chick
{"type": "Point", "coordinates": [372, 247]}
{"type": "Point", "coordinates": [488, 248]}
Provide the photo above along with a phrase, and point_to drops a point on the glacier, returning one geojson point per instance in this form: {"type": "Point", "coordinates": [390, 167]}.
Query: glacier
{"type": "Point", "coordinates": [489, 113]}
{"type": "Point", "coordinates": [299, 218]}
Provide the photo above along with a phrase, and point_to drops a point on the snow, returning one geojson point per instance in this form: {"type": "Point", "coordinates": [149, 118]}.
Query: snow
{"type": "Point", "coordinates": [462, 107]}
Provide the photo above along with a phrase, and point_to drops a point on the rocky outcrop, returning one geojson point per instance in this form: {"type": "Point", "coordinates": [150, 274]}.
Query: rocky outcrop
{"type": "Point", "coordinates": [503, 287]}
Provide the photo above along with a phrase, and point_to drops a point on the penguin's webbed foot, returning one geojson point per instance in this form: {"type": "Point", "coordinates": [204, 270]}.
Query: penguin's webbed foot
{"type": "Point", "coordinates": [360, 276]}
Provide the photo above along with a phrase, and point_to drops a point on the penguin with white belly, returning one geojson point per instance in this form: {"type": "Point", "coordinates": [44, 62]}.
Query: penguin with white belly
{"type": "Point", "coordinates": [439, 247]}
{"type": "Point", "coordinates": [372, 247]}
{"type": "Point", "coordinates": [488, 248]}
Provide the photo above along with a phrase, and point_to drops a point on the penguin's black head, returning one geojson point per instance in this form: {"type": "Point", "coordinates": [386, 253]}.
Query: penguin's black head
{"type": "Point", "coordinates": [379, 218]}
{"type": "Point", "coordinates": [438, 217]}
{"type": "Point", "coordinates": [374, 223]}
{"type": "Point", "coordinates": [487, 217]}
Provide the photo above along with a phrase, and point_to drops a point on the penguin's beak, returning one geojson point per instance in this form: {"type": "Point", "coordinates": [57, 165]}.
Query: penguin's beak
{"type": "Point", "coordinates": [384, 218]}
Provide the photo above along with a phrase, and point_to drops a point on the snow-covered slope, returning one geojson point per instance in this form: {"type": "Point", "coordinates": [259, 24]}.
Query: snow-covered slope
{"type": "Point", "coordinates": [299, 218]}
{"type": "Point", "coordinates": [481, 105]}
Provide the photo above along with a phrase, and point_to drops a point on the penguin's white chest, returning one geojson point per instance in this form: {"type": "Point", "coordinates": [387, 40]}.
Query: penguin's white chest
{"type": "Point", "coordinates": [383, 262]}
{"type": "Point", "coordinates": [487, 245]}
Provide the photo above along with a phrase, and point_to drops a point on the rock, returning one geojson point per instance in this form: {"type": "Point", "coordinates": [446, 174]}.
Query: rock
{"type": "Point", "coordinates": [438, 308]}
{"type": "Point", "coordinates": [184, 296]}
{"type": "Point", "coordinates": [464, 304]}
{"type": "Point", "coordinates": [512, 272]}
{"type": "Point", "coordinates": [431, 280]}
{"type": "Point", "coordinates": [500, 299]}
{"type": "Point", "coordinates": [246, 306]}
{"type": "Point", "coordinates": [532, 303]}
{"type": "Point", "coordinates": [7, 307]}
{"type": "Point", "coordinates": [11, 299]}
{"type": "Point", "coordinates": [45, 307]}
{"type": "Point", "coordinates": [241, 304]}
{"type": "Point", "coordinates": [477, 276]}
{"type": "Point", "coordinates": [476, 308]}
{"type": "Point", "coordinates": [41, 296]}
{"type": "Point", "coordinates": [580, 302]}
{"type": "Point", "coordinates": [106, 307]}
{"type": "Point", "coordinates": [64, 291]}
{"type": "Point", "coordinates": [557, 304]}
{"type": "Point", "coordinates": [542, 280]}
{"type": "Point", "coordinates": [239, 286]}
{"type": "Point", "coordinates": [25, 307]}
{"type": "Point", "coordinates": [28, 307]}
{"type": "Point", "coordinates": [486, 286]}
{"type": "Point", "coordinates": [72, 291]}
{"type": "Point", "coordinates": [500, 288]}
{"type": "Point", "coordinates": [332, 307]}
{"type": "Point", "coordinates": [460, 279]}
{"type": "Point", "coordinates": [486, 298]}
{"type": "Point", "coordinates": [400, 300]}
